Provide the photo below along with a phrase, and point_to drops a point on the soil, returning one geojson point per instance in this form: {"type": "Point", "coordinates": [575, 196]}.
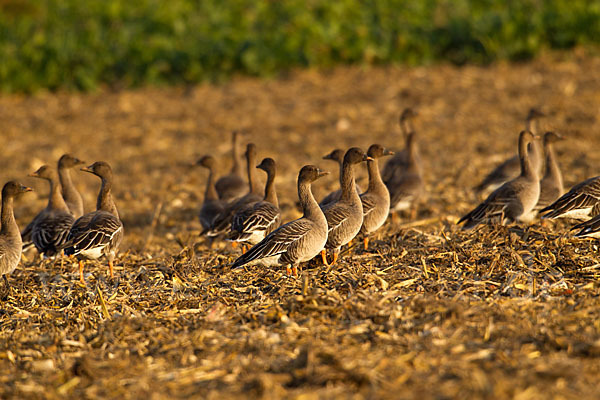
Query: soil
{"type": "Point", "coordinates": [429, 311]}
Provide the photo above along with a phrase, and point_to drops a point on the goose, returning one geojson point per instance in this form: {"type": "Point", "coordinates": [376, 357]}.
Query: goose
{"type": "Point", "coordinates": [511, 168]}
{"type": "Point", "coordinates": [551, 185]}
{"type": "Point", "coordinates": [212, 207]}
{"type": "Point", "coordinates": [253, 222]}
{"type": "Point", "coordinates": [299, 240]}
{"type": "Point", "coordinates": [590, 228]}
{"type": "Point", "coordinates": [581, 202]}
{"type": "Point", "coordinates": [376, 200]}
{"type": "Point", "coordinates": [232, 186]}
{"type": "Point", "coordinates": [406, 189]}
{"type": "Point", "coordinates": [69, 192]}
{"type": "Point", "coordinates": [336, 155]}
{"type": "Point", "coordinates": [51, 226]}
{"type": "Point", "coordinates": [10, 238]}
{"type": "Point", "coordinates": [399, 163]}
{"type": "Point", "coordinates": [512, 200]}
{"type": "Point", "coordinates": [98, 233]}
{"type": "Point", "coordinates": [344, 217]}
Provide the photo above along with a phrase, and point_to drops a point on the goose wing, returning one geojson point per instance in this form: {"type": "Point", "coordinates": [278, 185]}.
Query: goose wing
{"type": "Point", "coordinates": [51, 232]}
{"type": "Point", "coordinates": [94, 231]}
{"type": "Point", "coordinates": [262, 216]}
{"type": "Point", "coordinates": [583, 195]}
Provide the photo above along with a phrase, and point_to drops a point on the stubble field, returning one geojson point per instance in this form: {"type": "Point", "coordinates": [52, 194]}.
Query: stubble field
{"type": "Point", "coordinates": [428, 311]}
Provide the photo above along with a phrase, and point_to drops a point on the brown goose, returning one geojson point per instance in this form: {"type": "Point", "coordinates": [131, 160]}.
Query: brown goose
{"type": "Point", "coordinates": [100, 232]}
{"type": "Point", "coordinates": [256, 220]}
{"type": "Point", "coordinates": [222, 224]}
{"type": "Point", "coordinates": [511, 168]}
{"type": "Point", "coordinates": [336, 155]}
{"type": "Point", "coordinates": [551, 185]}
{"type": "Point", "coordinates": [232, 186]}
{"type": "Point", "coordinates": [399, 164]}
{"type": "Point", "coordinates": [589, 228]}
{"type": "Point", "coordinates": [512, 200]}
{"type": "Point", "coordinates": [344, 217]}
{"type": "Point", "coordinates": [406, 189]}
{"type": "Point", "coordinates": [299, 240]}
{"type": "Point", "coordinates": [51, 226]}
{"type": "Point", "coordinates": [69, 192]}
{"type": "Point", "coordinates": [581, 202]}
{"type": "Point", "coordinates": [376, 200]}
{"type": "Point", "coordinates": [212, 207]}
{"type": "Point", "coordinates": [10, 238]}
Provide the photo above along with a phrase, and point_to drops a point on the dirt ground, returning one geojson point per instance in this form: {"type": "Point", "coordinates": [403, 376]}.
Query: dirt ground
{"type": "Point", "coordinates": [428, 312]}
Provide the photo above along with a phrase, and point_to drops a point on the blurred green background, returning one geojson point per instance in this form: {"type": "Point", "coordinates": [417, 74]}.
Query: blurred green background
{"type": "Point", "coordinates": [83, 44]}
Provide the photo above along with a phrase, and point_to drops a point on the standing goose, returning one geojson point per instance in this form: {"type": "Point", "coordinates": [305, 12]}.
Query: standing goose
{"type": "Point", "coordinates": [212, 207]}
{"type": "Point", "coordinates": [299, 240]}
{"type": "Point", "coordinates": [511, 168]}
{"type": "Point", "coordinates": [336, 155]}
{"type": "Point", "coordinates": [344, 217]}
{"type": "Point", "coordinates": [515, 198]}
{"type": "Point", "coordinates": [399, 164]}
{"type": "Point", "coordinates": [406, 189]}
{"type": "Point", "coordinates": [222, 224]}
{"type": "Point", "coordinates": [255, 221]}
{"type": "Point", "coordinates": [69, 192]}
{"type": "Point", "coordinates": [376, 200]}
{"type": "Point", "coordinates": [51, 226]}
{"type": "Point", "coordinates": [551, 185]}
{"type": "Point", "coordinates": [100, 232]}
{"type": "Point", "coordinates": [10, 238]}
{"type": "Point", "coordinates": [232, 186]}
{"type": "Point", "coordinates": [581, 202]}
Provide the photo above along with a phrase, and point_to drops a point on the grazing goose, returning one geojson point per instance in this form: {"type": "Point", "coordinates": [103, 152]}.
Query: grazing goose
{"type": "Point", "coordinates": [232, 186]}
{"type": "Point", "coordinates": [406, 189]}
{"type": "Point", "coordinates": [336, 155]}
{"type": "Point", "coordinates": [512, 200]}
{"type": "Point", "coordinates": [256, 220]}
{"type": "Point", "coordinates": [100, 232]}
{"type": "Point", "coordinates": [69, 192]}
{"type": "Point", "coordinates": [299, 240]}
{"type": "Point", "coordinates": [212, 207]}
{"type": "Point", "coordinates": [551, 185]}
{"type": "Point", "coordinates": [581, 202]}
{"type": "Point", "coordinates": [10, 238]}
{"type": "Point", "coordinates": [511, 168]}
{"type": "Point", "coordinates": [222, 224]}
{"type": "Point", "coordinates": [376, 200]}
{"type": "Point", "coordinates": [344, 217]}
{"type": "Point", "coordinates": [399, 164]}
{"type": "Point", "coordinates": [51, 226]}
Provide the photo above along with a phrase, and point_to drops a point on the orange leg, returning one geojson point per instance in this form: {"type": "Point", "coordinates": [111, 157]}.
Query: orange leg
{"type": "Point", "coordinates": [244, 249]}
{"type": "Point", "coordinates": [111, 269]}
{"type": "Point", "coordinates": [234, 245]}
{"type": "Point", "coordinates": [366, 242]}
{"type": "Point", "coordinates": [324, 257]}
{"type": "Point", "coordinates": [336, 253]}
{"type": "Point", "coordinates": [295, 270]}
{"type": "Point", "coordinates": [81, 280]}
{"type": "Point", "coordinates": [288, 270]}
{"type": "Point", "coordinates": [395, 219]}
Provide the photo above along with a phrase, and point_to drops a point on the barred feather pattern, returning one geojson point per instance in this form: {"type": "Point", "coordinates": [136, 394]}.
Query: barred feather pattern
{"type": "Point", "coordinates": [51, 231]}
{"type": "Point", "coordinates": [95, 234]}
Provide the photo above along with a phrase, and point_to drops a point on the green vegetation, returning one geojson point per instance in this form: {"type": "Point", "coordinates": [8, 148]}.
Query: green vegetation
{"type": "Point", "coordinates": [77, 44]}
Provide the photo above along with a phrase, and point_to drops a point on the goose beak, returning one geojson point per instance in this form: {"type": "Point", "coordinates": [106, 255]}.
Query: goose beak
{"type": "Point", "coordinates": [26, 189]}
{"type": "Point", "coordinates": [387, 152]}
{"type": "Point", "coordinates": [367, 158]}
{"type": "Point", "coordinates": [322, 173]}
{"type": "Point", "coordinates": [87, 169]}
{"type": "Point", "coordinates": [79, 162]}
{"type": "Point", "coordinates": [33, 175]}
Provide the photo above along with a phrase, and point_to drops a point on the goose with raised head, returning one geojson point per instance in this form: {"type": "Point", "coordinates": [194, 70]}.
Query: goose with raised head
{"type": "Point", "coordinates": [581, 202]}
{"type": "Point", "coordinates": [10, 237]}
{"type": "Point", "coordinates": [336, 155]}
{"type": "Point", "coordinates": [255, 221]}
{"type": "Point", "coordinates": [514, 199]}
{"type": "Point", "coordinates": [400, 163]}
{"type": "Point", "coordinates": [551, 185]}
{"type": "Point", "coordinates": [511, 168]}
{"type": "Point", "coordinates": [51, 226]}
{"type": "Point", "coordinates": [299, 240]}
{"type": "Point", "coordinates": [376, 200]}
{"type": "Point", "coordinates": [222, 224]}
{"type": "Point", "coordinates": [232, 186]}
{"type": "Point", "coordinates": [98, 233]}
{"type": "Point", "coordinates": [406, 189]}
{"type": "Point", "coordinates": [345, 216]}
{"type": "Point", "coordinates": [212, 207]}
{"type": "Point", "coordinates": [69, 192]}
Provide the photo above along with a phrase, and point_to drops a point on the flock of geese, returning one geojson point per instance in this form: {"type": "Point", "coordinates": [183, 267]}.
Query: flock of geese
{"type": "Point", "coordinates": [245, 214]}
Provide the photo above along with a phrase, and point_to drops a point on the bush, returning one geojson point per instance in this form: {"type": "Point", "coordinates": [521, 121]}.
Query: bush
{"type": "Point", "coordinates": [76, 44]}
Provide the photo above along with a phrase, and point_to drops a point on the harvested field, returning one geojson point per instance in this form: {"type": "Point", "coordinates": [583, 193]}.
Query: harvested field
{"type": "Point", "coordinates": [428, 312]}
